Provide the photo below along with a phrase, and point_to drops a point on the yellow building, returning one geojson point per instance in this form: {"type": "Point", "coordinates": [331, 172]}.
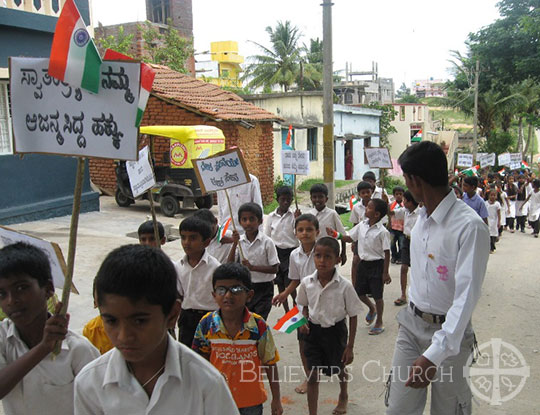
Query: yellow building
{"type": "Point", "coordinates": [224, 68]}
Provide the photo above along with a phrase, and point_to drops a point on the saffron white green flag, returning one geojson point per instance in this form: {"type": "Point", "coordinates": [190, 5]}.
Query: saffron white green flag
{"type": "Point", "coordinates": [291, 321]}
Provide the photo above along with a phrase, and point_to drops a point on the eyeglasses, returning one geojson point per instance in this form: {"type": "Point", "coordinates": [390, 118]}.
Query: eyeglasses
{"type": "Point", "coordinates": [234, 290]}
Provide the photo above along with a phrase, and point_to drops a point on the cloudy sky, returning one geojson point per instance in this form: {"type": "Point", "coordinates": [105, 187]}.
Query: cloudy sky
{"type": "Point", "coordinates": [409, 39]}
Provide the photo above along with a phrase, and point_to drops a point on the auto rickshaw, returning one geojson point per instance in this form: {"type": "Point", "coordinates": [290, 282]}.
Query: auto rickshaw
{"type": "Point", "coordinates": [177, 181]}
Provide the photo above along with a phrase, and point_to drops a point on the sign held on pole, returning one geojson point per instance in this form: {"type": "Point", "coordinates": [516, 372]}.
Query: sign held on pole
{"type": "Point", "coordinates": [141, 175]}
{"type": "Point", "coordinates": [465, 160]}
{"type": "Point", "coordinates": [295, 162]}
{"type": "Point", "coordinates": [378, 158]}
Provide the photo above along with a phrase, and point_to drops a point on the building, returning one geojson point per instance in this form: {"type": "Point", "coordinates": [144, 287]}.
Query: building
{"type": "Point", "coordinates": [427, 88]}
{"type": "Point", "coordinates": [35, 186]}
{"type": "Point", "coordinates": [223, 68]}
{"type": "Point", "coordinates": [357, 90]}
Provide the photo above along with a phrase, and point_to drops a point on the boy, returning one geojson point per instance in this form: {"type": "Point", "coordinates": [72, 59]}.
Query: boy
{"type": "Point", "coordinates": [327, 217]}
{"type": "Point", "coordinates": [279, 227]}
{"type": "Point", "coordinates": [148, 372]}
{"type": "Point", "coordinates": [147, 236]}
{"type": "Point", "coordinates": [260, 257]}
{"type": "Point", "coordinates": [327, 299]}
{"type": "Point", "coordinates": [31, 380]}
{"type": "Point", "coordinates": [194, 277]}
{"type": "Point", "coordinates": [219, 246]}
{"type": "Point", "coordinates": [396, 226]}
{"type": "Point", "coordinates": [243, 337]}
{"type": "Point", "coordinates": [534, 207]}
{"type": "Point", "coordinates": [374, 251]}
{"type": "Point", "coordinates": [471, 198]}
{"type": "Point", "coordinates": [364, 189]}
{"type": "Point", "coordinates": [378, 192]}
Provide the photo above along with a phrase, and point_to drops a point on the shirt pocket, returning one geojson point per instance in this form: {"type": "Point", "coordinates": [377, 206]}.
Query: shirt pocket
{"type": "Point", "coordinates": [442, 268]}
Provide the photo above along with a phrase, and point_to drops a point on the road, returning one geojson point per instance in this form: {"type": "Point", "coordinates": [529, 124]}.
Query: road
{"type": "Point", "coordinates": [508, 310]}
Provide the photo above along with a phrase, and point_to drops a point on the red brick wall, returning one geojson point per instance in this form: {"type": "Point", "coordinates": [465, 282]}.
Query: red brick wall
{"type": "Point", "coordinates": [256, 142]}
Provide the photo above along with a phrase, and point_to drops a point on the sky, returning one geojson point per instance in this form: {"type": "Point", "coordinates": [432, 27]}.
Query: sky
{"type": "Point", "coordinates": [409, 40]}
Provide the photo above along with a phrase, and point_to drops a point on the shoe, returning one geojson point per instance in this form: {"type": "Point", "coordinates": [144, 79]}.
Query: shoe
{"type": "Point", "coordinates": [393, 260]}
{"type": "Point", "coordinates": [376, 330]}
{"type": "Point", "coordinates": [370, 318]}
{"type": "Point", "coordinates": [398, 261]}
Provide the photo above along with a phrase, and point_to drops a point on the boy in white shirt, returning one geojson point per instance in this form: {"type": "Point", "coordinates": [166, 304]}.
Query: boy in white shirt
{"type": "Point", "coordinates": [534, 207]}
{"type": "Point", "coordinates": [147, 372]}
{"type": "Point", "coordinates": [32, 380]}
{"type": "Point", "coordinates": [358, 214]}
{"type": "Point", "coordinates": [221, 239]}
{"type": "Point", "coordinates": [195, 277]}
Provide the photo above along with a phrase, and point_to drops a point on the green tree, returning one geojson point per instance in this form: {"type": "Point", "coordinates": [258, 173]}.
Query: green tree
{"type": "Point", "coordinates": [311, 66]}
{"type": "Point", "coordinates": [121, 42]}
{"type": "Point", "coordinates": [385, 122]}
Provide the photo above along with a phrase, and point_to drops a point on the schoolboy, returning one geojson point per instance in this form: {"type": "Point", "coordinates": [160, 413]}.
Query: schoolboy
{"type": "Point", "coordinates": [471, 198]}
{"type": "Point", "coordinates": [396, 225]}
{"type": "Point", "coordinates": [31, 380]}
{"type": "Point", "coordinates": [365, 190]}
{"type": "Point", "coordinates": [328, 299]}
{"type": "Point", "coordinates": [243, 337]}
{"type": "Point", "coordinates": [327, 217]}
{"type": "Point", "coordinates": [220, 243]}
{"type": "Point", "coordinates": [279, 227]}
{"type": "Point", "coordinates": [259, 256]}
{"type": "Point", "coordinates": [147, 372]}
{"type": "Point", "coordinates": [374, 251]}
{"type": "Point", "coordinates": [194, 277]}
{"type": "Point", "coordinates": [147, 236]}
{"type": "Point", "coordinates": [300, 266]}
{"type": "Point", "coordinates": [378, 192]}
{"type": "Point", "coordinates": [534, 207]}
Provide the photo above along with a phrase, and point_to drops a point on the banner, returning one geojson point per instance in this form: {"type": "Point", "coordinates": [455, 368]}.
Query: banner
{"type": "Point", "coordinates": [295, 162]}
{"type": "Point", "coordinates": [378, 158]}
{"type": "Point", "coordinates": [222, 171]}
{"type": "Point", "coordinates": [486, 160]}
{"type": "Point", "coordinates": [504, 159]}
{"type": "Point", "coordinates": [141, 175]}
{"type": "Point", "coordinates": [465, 160]}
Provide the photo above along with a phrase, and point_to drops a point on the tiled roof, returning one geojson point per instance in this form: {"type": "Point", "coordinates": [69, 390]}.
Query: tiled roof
{"type": "Point", "coordinates": [205, 98]}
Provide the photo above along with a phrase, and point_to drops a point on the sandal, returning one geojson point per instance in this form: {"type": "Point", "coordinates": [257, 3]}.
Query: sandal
{"type": "Point", "coordinates": [376, 330]}
{"type": "Point", "coordinates": [400, 301]}
{"type": "Point", "coordinates": [370, 318]}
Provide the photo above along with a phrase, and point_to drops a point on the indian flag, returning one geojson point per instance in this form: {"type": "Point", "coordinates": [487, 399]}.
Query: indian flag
{"type": "Point", "coordinates": [74, 57]}
{"type": "Point", "coordinates": [501, 171]}
{"type": "Point", "coordinates": [223, 230]}
{"type": "Point", "coordinates": [471, 171]}
{"type": "Point", "coordinates": [524, 164]}
{"type": "Point", "coordinates": [291, 321]}
{"type": "Point", "coordinates": [289, 135]}
{"type": "Point", "coordinates": [353, 201]}
{"type": "Point", "coordinates": [417, 137]}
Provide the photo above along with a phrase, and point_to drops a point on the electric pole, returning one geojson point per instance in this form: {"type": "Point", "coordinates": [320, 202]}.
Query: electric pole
{"type": "Point", "coordinates": [475, 130]}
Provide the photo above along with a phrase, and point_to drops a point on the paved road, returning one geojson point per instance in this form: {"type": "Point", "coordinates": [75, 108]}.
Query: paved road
{"type": "Point", "coordinates": [508, 310]}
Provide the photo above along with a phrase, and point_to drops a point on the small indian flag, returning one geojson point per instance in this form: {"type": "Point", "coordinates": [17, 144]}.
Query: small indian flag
{"type": "Point", "coordinates": [291, 321]}
{"type": "Point", "coordinates": [417, 137]}
{"type": "Point", "coordinates": [471, 171]}
{"type": "Point", "coordinates": [74, 56]}
{"type": "Point", "coordinates": [223, 230]}
{"type": "Point", "coordinates": [524, 164]}
{"type": "Point", "coordinates": [353, 201]}
{"type": "Point", "coordinates": [456, 172]}
{"type": "Point", "coordinates": [289, 136]}
{"type": "Point", "coordinates": [501, 171]}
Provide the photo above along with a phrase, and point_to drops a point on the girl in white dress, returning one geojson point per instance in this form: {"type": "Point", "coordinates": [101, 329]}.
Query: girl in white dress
{"type": "Point", "coordinates": [494, 217]}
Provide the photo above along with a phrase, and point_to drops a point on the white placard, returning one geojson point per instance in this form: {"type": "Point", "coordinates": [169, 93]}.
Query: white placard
{"type": "Point", "coordinates": [295, 162]}
{"type": "Point", "coordinates": [480, 155]}
{"type": "Point", "coordinates": [141, 175]}
{"type": "Point", "coordinates": [515, 165]}
{"type": "Point", "coordinates": [515, 158]}
{"type": "Point", "coordinates": [378, 158]}
{"type": "Point", "coordinates": [51, 249]}
{"type": "Point", "coordinates": [465, 160]}
{"type": "Point", "coordinates": [487, 160]}
{"type": "Point", "coordinates": [221, 171]}
{"type": "Point", "coordinates": [50, 116]}
{"type": "Point", "coordinates": [504, 159]}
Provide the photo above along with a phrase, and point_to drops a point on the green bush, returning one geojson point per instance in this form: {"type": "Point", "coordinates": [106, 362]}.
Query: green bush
{"type": "Point", "coordinates": [306, 184]}
{"type": "Point", "coordinates": [391, 181]}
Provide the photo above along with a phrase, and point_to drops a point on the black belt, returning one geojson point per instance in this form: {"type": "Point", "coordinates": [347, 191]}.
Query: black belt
{"type": "Point", "coordinates": [427, 317]}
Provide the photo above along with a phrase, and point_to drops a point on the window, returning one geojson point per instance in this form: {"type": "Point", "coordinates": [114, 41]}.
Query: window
{"type": "Point", "coordinates": [160, 11]}
{"type": "Point", "coordinates": [312, 143]}
{"type": "Point", "coordinates": [367, 144]}
{"type": "Point", "coordinates": [402, 113]}
{"type": "Point", "coordinates": [5, 120]}
{"type": "Point", "coordinates": [348, 98]}
{"type": "Point", "coordinates": [419, 113]}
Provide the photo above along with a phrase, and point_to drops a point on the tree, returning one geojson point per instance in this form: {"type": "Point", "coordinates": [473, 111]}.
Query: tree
{"type": "Point", "coordinates": [311, 66]}
{"type": "Point", "coordinates": [403, 91]}
{"type": "Point", "coordinates": [121, 42]}
{"type": "Point", "coordinates": [385, 122]}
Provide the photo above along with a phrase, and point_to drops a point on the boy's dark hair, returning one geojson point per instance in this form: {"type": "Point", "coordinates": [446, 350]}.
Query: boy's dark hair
{"type": "Point", "coordinates": [307, 217]}
{"type": "Point", "coordinates": [380, 206]}
{"type": "Point", "coordinates": [319, 188]}
{"type": "Point", "coordinates": [251, 208]}
{"type": "Point", "coordinates": [364, 185]}
{"type": "Point", "coordinates": [369, 175]}
{"type": "Point", "coordinates": [398, 189]}
{"type": "Point", "coordinates": [408, 195]}
{"type": "Point", "coordinates": [284, 191]}
{"type": "Point", "coordinates": [232, 271]}
{"type": "Point", "coordinates": [427, 161]}
{"type": "Point", "coordinates": [195, 224]}
{"type": "Point", "coordinates": [459, 189]}
{"type": "Point", "coordinates": [330, 243]}
{"type": "Point", "coordinates": [206, 215]}
{"type": "Point", "coordinates": [22, 258]}
{"type": "Point", "coordinates": [471, 181]}
{"type": "Point", "coordinates": [536, 182]}
{"type": "Point", "coordinates": [148, 227]}
{"type": "Point", "coordinates": [138, 272]}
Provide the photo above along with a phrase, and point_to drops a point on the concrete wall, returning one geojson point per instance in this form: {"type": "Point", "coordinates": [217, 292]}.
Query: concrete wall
{"type": "Point", "coordinates": [416, 115]}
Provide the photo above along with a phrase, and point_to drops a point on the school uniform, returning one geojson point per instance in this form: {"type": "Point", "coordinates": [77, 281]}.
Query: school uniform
{"type": "Point", "coordinates": [477, 204]}
{"type": "Point", "coordinates": [493, 220]}
{"type": "Point", "coordinates": [48, 388]}
{"type": "Point", "coordinates": [358, 213]}
{"type": "Point", "coordinates": [261, 251]}
{"type": "Point", "coordinates": [328, 218]}
{"type": "Point", "coordinates": [219, 250]}
{"type": "Point", "coordinates": [247, 192]}
{"type": "Point", "coordinates": [449, 253]}
{"type": "Point", "coordinates": [189, 385]}
{"type": "Point", "coordinates": [534, 211]}
{"type": "Point", "coordinates": [511, 192]}
{"type": "Point", "coordinates": [521, 207]}
{"type": "Point", "coordinates": [373, 241]}
{"type": "Point", "coordinates": [280, 228]}
{"type": "Point", "coordinates": [195, 286]}
{"type": "Point", "coordinates": [328, 307]}
{"type": "Point", "coordinates": [409, 220]}
{"type": "Point", "coordinates": [301, 264]}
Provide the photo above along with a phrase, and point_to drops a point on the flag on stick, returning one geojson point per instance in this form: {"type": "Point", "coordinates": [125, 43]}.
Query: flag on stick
{"type": "Point", "coordinates": [524, 164]}
{"type": "Point", "coordinates": [223, 229]}
{"type": "Point", "coordinates": [291, 321]}
{"type": "Point", "coordinates": [471, 171]}
{"type": "Point", "coordinates": [74, 56]}
{"type": "Point", "coordinates": [289, 135]}
{"type": "Point", "coordinates": [353, 201]}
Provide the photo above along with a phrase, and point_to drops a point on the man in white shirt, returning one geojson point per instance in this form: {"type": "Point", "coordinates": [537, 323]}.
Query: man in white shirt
{"type": "Point", "coordinates": [449, 253]}
{"type": "Point", "coordinates": [248, 192]}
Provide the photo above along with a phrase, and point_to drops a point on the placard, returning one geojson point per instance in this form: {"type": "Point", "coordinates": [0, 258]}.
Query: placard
{"type": "Point", "coordinates": [221, 171]}
{"type": "Point", "coordinates": [378, 158]}
{"type": "Point", "coordinates": [487, 160]}
{"type": "Point", "coordinates": [295, 162]}
{"type": "Point", "coordinates": [51, 249]}
{"type": "Point", "coordinates": [50, 116]}
{"type": "Point", "coordinates": [141, 175]}
{"type": "Point", "coordinates": [465, 160]}
{"type": "Point", "coordinates": [515, 158]}
{"type": "Point", "coordinates": [515, 165]}
{"type": "Point", "coordinates": [504, 159]}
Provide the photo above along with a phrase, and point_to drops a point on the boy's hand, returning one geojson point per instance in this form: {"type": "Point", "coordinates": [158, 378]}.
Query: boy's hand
{"type": "Point", "coordinates": [331, 232]}
{"type": "Point", "coordinates": [55, 329]}
{"type": "Point", "coordinates": [246, 263]}
{"type": "Point", "coordinates": [304, 329]}
{"type": "Point", "coordinates": [279, 299]}
{"type": "Point", "coordinates": [348, 356]}
{"type": "Point", "coordinates": [276, 407]}
{"type": "Point", "coordinates": [386, 278]}
{"type": "Point", "coordinates": [235, 236]}
{"type": "Point", "coordinates": [297, 213]}
{"type": "Point", "coordinates": [343, 257]}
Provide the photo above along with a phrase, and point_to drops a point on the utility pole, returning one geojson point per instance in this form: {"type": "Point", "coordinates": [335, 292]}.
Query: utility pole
{"type": "Point", "coordinates": [328, 103]}
{"type": "Point", "coordinates": [475, 131]}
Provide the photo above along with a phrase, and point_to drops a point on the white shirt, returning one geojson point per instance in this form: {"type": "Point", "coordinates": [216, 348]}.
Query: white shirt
{"type": "Point", "coordinates": [378, 193]}
{"type": "Point", "coordinates": [534, 206]}
{"type": "Point", "coordinates": [48, 388]}
{"type": "Point", "coordinates": [248, 192]}
{"type": "Point", "coordinates": [449, 254]}
{"type": "Point", "coordinates": [358, 213]}
{"type": "Point", "coordinates": [409, 219]}
{"type": "Point", "coordinates": [195, 283]}
{"type": "Point", "coordinates": [189, 385]}
{"type": "Point", "coordinates": [219, 250]}
{"type": "Point", "coordinates": [493, 217]}
{"type": "Point", "coordinates": [280, 228]}
{"type": "Point", "coordinates": [330, 304]}
{"type": "Point", "coordinates": [301, 264]}
{"type": "Point", "coordinates": [372, 240]}
{"type": "Point", "coordinates": [261, 251]}
{"type": "Point", "coordinates": [328, 218]}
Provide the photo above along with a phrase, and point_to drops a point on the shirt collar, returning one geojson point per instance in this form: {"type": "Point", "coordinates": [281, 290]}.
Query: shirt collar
{"type": "Point", "coordinates": [258, 237]}
{"type": "Point", "coordinates": [12, 332]}
{"type": "Point", "coordinates": [443, 207]}
{"type": "Point", "coordinates": [248, 322]}
{"type": "Point", "coordinates": [275, 213]}
{"type": "Point", "coordinates": [335, 278]}
{"type": "Point", "coordinates": [204, 259]}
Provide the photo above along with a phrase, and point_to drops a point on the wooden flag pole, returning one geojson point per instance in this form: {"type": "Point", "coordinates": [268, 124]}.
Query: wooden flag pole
{"type": "Point", "coordinates": [233, 222]}
{"type": "Point", "coordinates": [154, 220]}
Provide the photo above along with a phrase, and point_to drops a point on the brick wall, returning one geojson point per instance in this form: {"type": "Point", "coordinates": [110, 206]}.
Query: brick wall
{"type": "Point", "coordinates": [257, 144]}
